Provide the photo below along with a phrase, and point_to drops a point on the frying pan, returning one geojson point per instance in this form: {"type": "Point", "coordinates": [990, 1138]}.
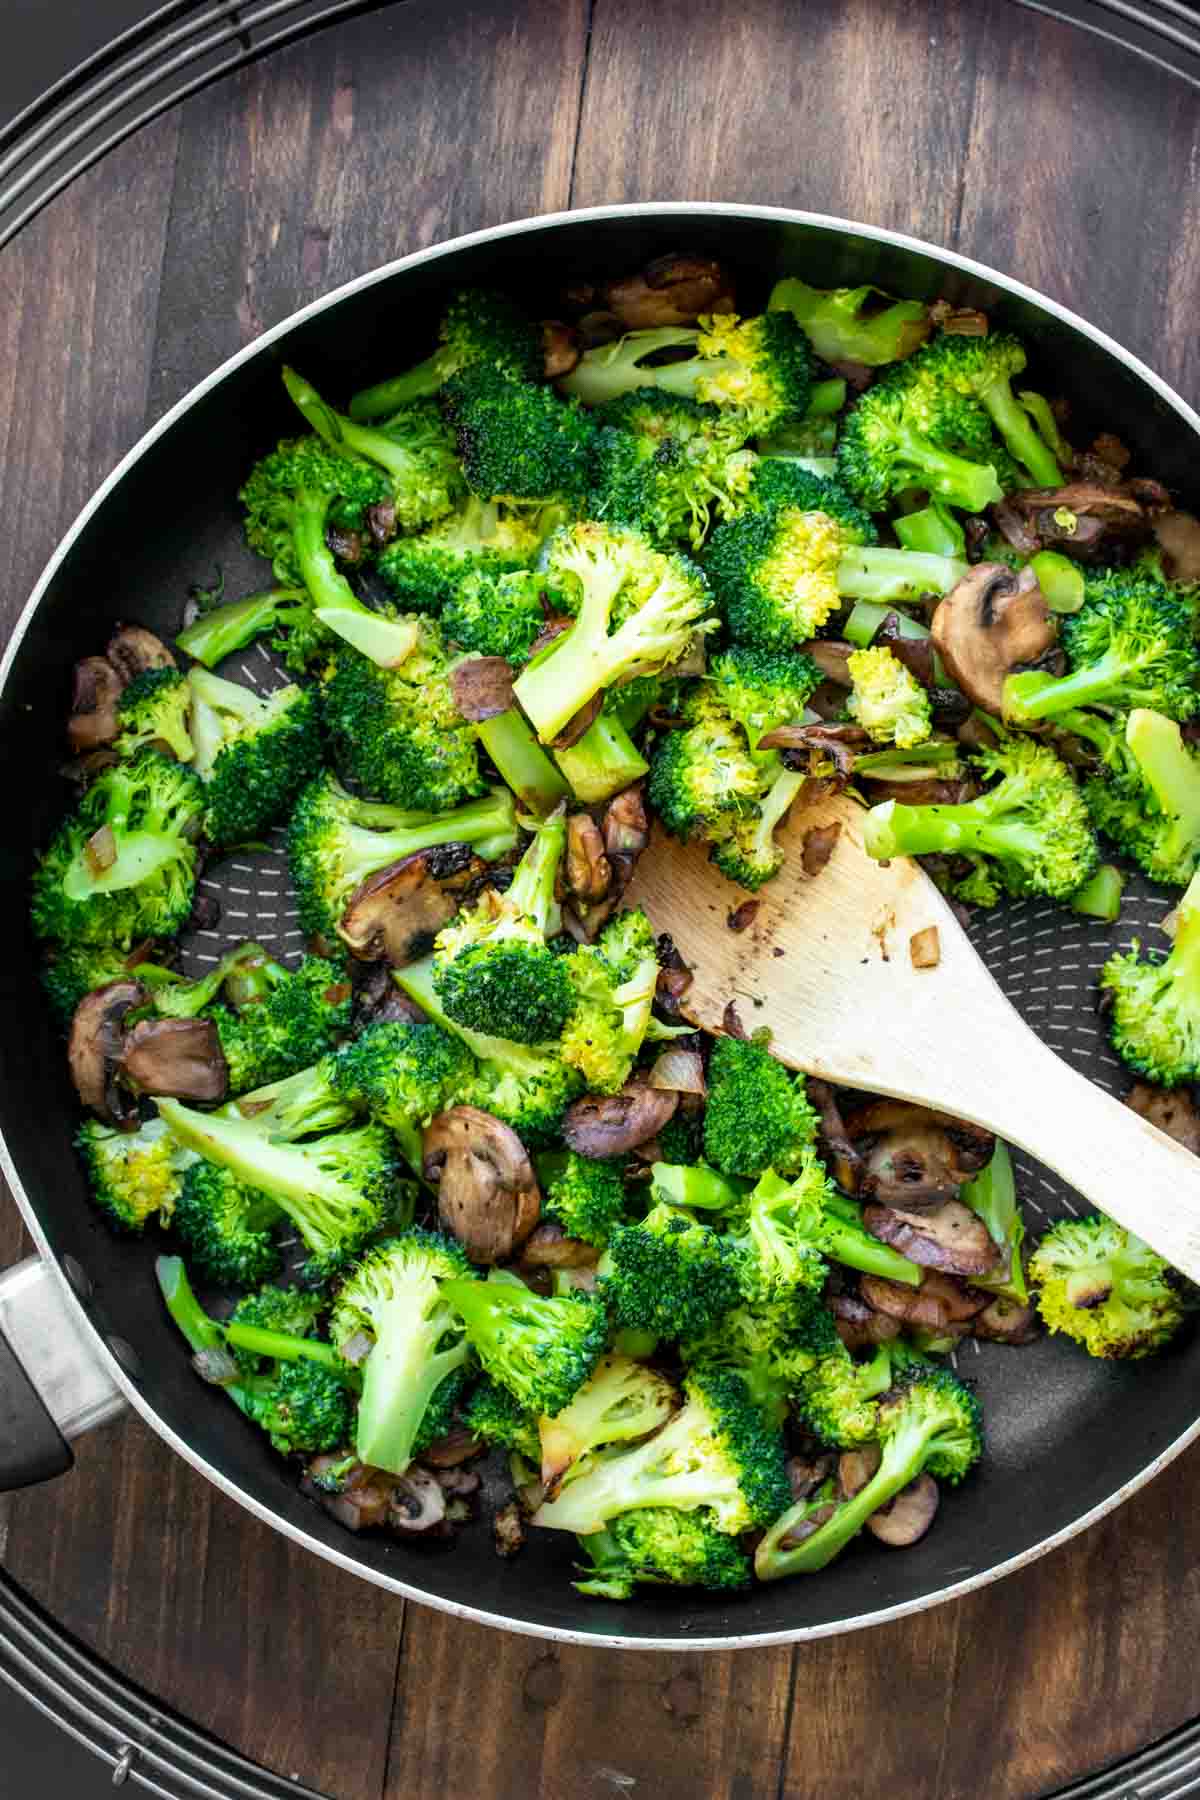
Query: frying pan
{"type": "Point", "coordinates": [1068, 1438]}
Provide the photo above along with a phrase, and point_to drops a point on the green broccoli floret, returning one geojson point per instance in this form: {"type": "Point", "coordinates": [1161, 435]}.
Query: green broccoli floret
{"type": "Point", "coordinates": [403, 1073]}
{"type": "Point", "coordinates": [930, 1421]}
{"type": "Point", "coordinates": [122, 867]}
{"type": "Point", "coordinates": [664, 1547]}
{"type": "Point", "coordinates": [399, 1298]}
{"type": "Point", "coordinates": [397, 732]}
{"type": "Point", "coordinates": [669, 1274]}
{"type": "Point", "coordinates": [245, 974]}
{"type": "Point", "coordinates": [228, 1228]}
{"type": "Point", "coordinates": [1097, 1283]}
{"type": "Point", "coordinates": [413, 447]}
{"type": "Point", "coordinates": [834, 1395]}
{"type": "Point", "coordinates": [762, 688]}
{"type": "Point", "coordinates": [497, 614]}
{"type": "Point", "coordinates": [73, 970]}
{"type": "Point", "coordinates": [982, 369]}
{"type": "Point", "coordinates": [621, 1400]}
{"type": "Point", "coordinates": [758, 1116]}
{"type": "Point", "coordinates": [216, 634]}
{"type": "Point", "coordinates": [1031, 828]}
{"type": "Point", "coordinates": [583, 1194]}
{"type": "Point", "coordinates": [518, 440]}
{"type": "Point", "coordinates": [899, 435]}
{"type": "Point", "coordinates": [337, 1189]}
{"type": "Point", "coordinates": [613, 984]}
{"type": "Point", "coordinates": [703, 778]}
{"type": "Point", "coordinates": [288, 500]}
{"type": "Point", "coordinates": [665, 464]}
{"type": "Point", "coordinates": [133, 1175]}
{"type": "Point", "coordinates": [491, 1413]}
{"type": "Point", "coordinates": [337, 841]}
{"type": "Point", "coordinates": [542, 1349]}
{"type": "Point", "coordinates": [1132, 643]}
{"type": "Point", "coordinates": [478, 326]}
{"type": "Point", "coordinates": [1146, 797]}
{"type": "Point", "coordinates": [748, 854]}
{"type": "Point", "coordinates": [887, 700]}
{"type": "Point", "coordinates": [493, 969]}
{"type": "Point", "coordinates": [301, 1014]}
{"type": "Point", "coordinates": [153, 711]}
{"type": "Point", "coordinates": [291, 1311]}
{"type": "Point", "coordinates": [718, 1451]}
{"type": "Point", "coordinates": [484, 537]}
{"type": "Point", "coordinates": [861, 324]}
{"type": "Point", "coordinates": [638, 611]}
{"type": "Point", "coordinates": [253, 754]}
{"type": "Point", "coordinates": [1155, 1015]}
{"type": "Point", "coordinates": [758, 371]}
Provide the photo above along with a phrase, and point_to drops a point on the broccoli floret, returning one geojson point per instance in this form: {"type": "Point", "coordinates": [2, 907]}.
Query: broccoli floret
{"type": "Point", "coordinates": [583, 1194]}
{"type": "Point", "coordinates": [517, 440]}
{"type": "Point", "coordinates": [718, 1451]}
{"type": "Point", "coordinates": [861, 324]}
{"type": "Point", "coordinates": [1031, 828]}
{"type": "Point", "coordinates": [757, 371]}
{"type": "Point", "coordinates": [337, 1189]}
{"type": "Point", "coordinates": [1155, 1014]}
{"type": "Point", "coordinates": [246, 973]}
{"type": "Point", "coordinates": [887, 699]}
{"type": "Point", "coordinates": [403, 1073]}
{"type": "Point", "coordinates": [337, 841]}
{"type": "Point", "coordinates": [122, 867]}
{"type": "Point", "coordinates": [681, 1139]}
{"type": "Point", "coordinates": [492, 967]}
{"type": "Point", "coordinates": [664, 1547]}
{"type": "Point", "coordinates": [665, 464]}
{"type": "Point", "coordinates": [497, 614]}
{"type": "Point", "coordinates": [762, 688]}
{"type": "Point", "coordinates": [895, 437]}
{"type": "Point", "coordinates": [542, 1349]}
{"type": "Point", "coordinates": [484, 537]}
{"type": "Point", "coordinates": [1147, 797]}
{"type": "Point", "coordinates": [748, 854]}
{"type": "Point", "coordinates": [834, 1395]}
{"type": "Point", "coordinates": [992, 1195]}
{"type": "Point", "coordinates": [491, 1413]}
{"type": "Point", "coordinates": [703, 778]}
{"type": "Point", "coordinates": [1097, 1283]}
{"type": "Point", "coordinates": [216, 634]}
{"type": "Point", "coordinates": [153, 710]}
{"type": "Point", "coordinates": [758, 1116]}
{"type": "Point", "coordinates": [669, 1274]}
{"type": "Point", "coordinates": [930, 1421]}
{"type": "Point", "coordinates": [229, 1228]}
{"type": "Point", "coordinates": [301, 1015]}
{"type": "Point", "coordinates": [982, 369]}
{"type": "Point", "coordinates": [781, 1235]}
{"type": "Point", "coordinates": [398, 1297]}
{"type": "Point", "coordinates": [73, 970]}
{"type": "Point", "coordinates": [253, 754]}
{"type": "Point", "coordinates": [291, 1311]}
{"type": "Point", "coordinates": [413, 447]}
{"type": "Point", "coordinates": [621, 1401]}
{"type": "Point", "coordinates": [133, 1175]}
{"type": "Point", "coordinates": [397, 732]}
{"type": "Point", "coordinates": [638, 611]}
{"type": "Point", "coordinates": [478, 326]}
{"type": "Point", "coordinates": [1132, 643]}
{"type": "Point", "coordinates": [613, 984]}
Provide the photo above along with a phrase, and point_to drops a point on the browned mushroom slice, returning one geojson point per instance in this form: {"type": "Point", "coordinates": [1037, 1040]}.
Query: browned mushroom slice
{"type": "Point", "coordinates": [487, 1192]}
{"type": "Point", "coordinates": [804, 746]}
{"type": "Point", "coordinates": [358, 1498]}
{"type": "Point", "coordinates": [578, 724]}
{"type": "Point", "coordinates": [672, 290]}
{"type": "Point", "coordinates": [915, 653]}
{"type": "Point", "coordinates": [549, 1247]}
{"type": "Point", "coordinates": [992, 622]}
{"type": "Point", "coordinates": [482, 687]}
{"type": "Point", "coordinates": [927, 792]}
{"type": "Point", "coordinates": [94, 1045]}
{"type": "Point", "coordinates": [1178, 535]}
{"type": "Point", "coordinates": [907, 1518]}
{"type": "Point", "coordinates": [832, 657]}
{"type": "Point", "coordinates": [1087, 520]}
{"type": "Point", "coordinates": [348, 545]}
{"type": "Point", "coordinates": [940, 1300]}
{"type": "Point", "coordinates": [560, 348]}
{"type": "Point", "coordinates": [817, 846]}
{"type": "Point", "coordinates": [1005, 1321]}
{"type": "Point", "coordinates": [132, 650]}
{"type": "Point", "coordinates": [625, 828]}
{"type": "Point", "coordinates": [913, 1158]}
{"type": "Point", "coordinates": [417, 1502]}
{"type": "Point", "coordinates": [180, 1059]}
{"type": "Point", "coordinates": [397, 912]}
{"type": "Point", "coordinates": [587, 868]}
{"type": "Point", "coordinates": [457, 1446]}
{"type": "Point", "coordinates": [832, 1137]}
{"type": "Point", "coordinates": [381, 523]}
{"type": "Point", "coordinates": [855, 1468]}
{"type": "Point", "coordinates": [860, 1326]}
{"type": "Point", "coordinates": [611, 1124]}
{"type": "Point", "coordinates": [952, 1238]}
{"type": "Point", "coordinates": [805, 1475]}
{"type": "Point", "coordinates": [1172, 1109]}
{"type": "Point", "coordinates": [94, 696]}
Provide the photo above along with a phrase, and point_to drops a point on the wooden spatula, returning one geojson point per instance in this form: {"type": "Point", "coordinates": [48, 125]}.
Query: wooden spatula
{"type": "Point", "coordinates": [826, 966]}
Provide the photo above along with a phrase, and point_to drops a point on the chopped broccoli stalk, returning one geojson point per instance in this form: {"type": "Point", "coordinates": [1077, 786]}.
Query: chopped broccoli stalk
{"type": "Point", "coordinates": [866, 617]}
{"type": "Point", "coordinates": [1061, 581]}
{"type": "Point", "coordinates": [542, 1349]}
{"type": "Point", "coordinates": [992, 1194]}
{"type": "Point", "coordinates": [887, 700]}
{"type": "Point", "coordinates": [861, 324]}
{"type": "Point", "coordinates": [931, 1421]}
{"type": "Point", "coordinates": [583, 1194]}
{"type": "Point", "coordinates": [478, 326]}
{"type": "Point", "coordinates": [881, 573]}
{"type": "Point", "coordinates": [981, 369]}
{"type": "Point", "coordinates": [895, 438]}
{"type": "Point", "coordinates": [397, 1297]}
{"type": "Point", "coordinates": [665, 1547]}
{"type": "Point", "coordinates": [133, 1175]}
{"type": "Point", "coordinates": [519, 440]}
{"type": "Point", "coordinates": [786, 1217]}
{"type": "Point", "coordinates": [1155, 1016]}
{"type": "Point", "coordinates": [254, 754]}
{"type": "Point", "coordinates": [620, 1401]}
{"type": "Point", "coordinates": [604, 762]}
{"type": "Point", "coordinates": [247, 968]}
{"type": "Point", "coordinates": [414, 448]}
{"type": "Point", "coordinates": [1147, 797]}
{"type": "Point", "coordinates": [1031, 827]}
{"type": "Point", "coordinates": [1098, 1284]}
{"type": "Point", "coordinates": [153, 710]}
{"type": "Point", "coordinates": [525, 767]}
{"type": "Point", "coordinates": [933, 530]}
{"type": "Point", "coordinates": [493, 969]}
{"type": "Point", "coordinates": [696, 1185]}
{"type": "Point", "coordinates": [612, 985]}
{"type": "Point", "coordinates": [717, 1451]}
{"type": "Point", "coordinates": [758, 1116]}
{"type": "Point", "coordinates": [668, 1274]}
{"type": "Point", "coordinates": [936, 758]}
{"type": "Point", "coordinates": [1100, 898]}
{"type": "Point", "coordinates": [214, 635]}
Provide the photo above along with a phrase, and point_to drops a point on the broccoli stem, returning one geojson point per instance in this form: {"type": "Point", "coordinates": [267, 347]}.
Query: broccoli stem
{"type": "Point", "coordinates": [1100, 898]}
{"type": "Point", "coordinates": [520, 759]}
{"type": "Point", "coordinates": [682, 1185]}
{"type": "Point", "coordinates": [913, 764]}
{"type": "Point", "coordinates": [933, 529]}
{"type": "Point", "coordinates": [344, 433]}
{"type": "Point", "coordinates": [604, 761]}
{"type": "Point", "coordinates": [833, 320]}
{"type": "Point", "coordinates": [384, 397]}
{"type": "Point", "coordinates": [826, 398]}
{"type": "Point", "coordinates": [386, 641]}
{"type": "Point", "coordinates": [217, 634]}
{"type": "Point", "coordinates": [882, 573]}
{"type": "Point", "coordinates": [531, 892]}
{"type": "Point", "coordinates": [866, 616]}
{"type": "Point", "coordinates": [971, 486]}
{"type": "Point", "coordinates": [1019, 432]}
{"type": "Point", "coordinates": [848, 1241]}
{"type": "Point", "coordinates": [895, 830]}
{"type": "Point", "coordinates": [282, 1346]}
{"type": "Point", "coordinates": [1060, 580]}
{"type": "Point", "coordinates": [201, 1332]}
{"type": "Point", "coordinates": [1033, 695]}
{"type": "Point", "coordinates": [992, 1194]}
{"type": "Point", "coordinates": [1170, 771]}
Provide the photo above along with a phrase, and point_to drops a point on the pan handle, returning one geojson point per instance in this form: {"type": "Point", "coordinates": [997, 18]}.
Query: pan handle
{"type": "Point", "coordinates": [53, 1385]}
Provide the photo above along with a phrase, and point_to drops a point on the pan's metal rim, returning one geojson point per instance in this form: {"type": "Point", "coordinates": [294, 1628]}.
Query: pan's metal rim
{"type": "Point", "coordinates": [548, 222]}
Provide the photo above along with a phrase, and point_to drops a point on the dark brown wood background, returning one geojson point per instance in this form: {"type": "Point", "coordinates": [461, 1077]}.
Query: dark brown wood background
{"type": "Point", "coordinates": [977, 125]}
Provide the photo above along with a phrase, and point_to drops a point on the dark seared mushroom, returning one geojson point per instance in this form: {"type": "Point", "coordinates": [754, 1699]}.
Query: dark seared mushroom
{"type": "Point", "coordinates": [832, 657]}
{"type": "Point", "coordinates": [481, 687]}
{"type": "Point", "coordinates": [855, 1468]}
{"type": "Point", "coordinates": [94, 696]}
{"type": "Point", "coordinates": [611, 1124]}
{"type": "Point", "coordinates": [991, 623]}
{"type": "Point", "coordinates": [928, 792]}
{"type": "Point", "coordinates": [860, 1326]}
{"type": "Point", "coordinates": [1087, 520]}
{"type": "Point", "coordinates": [181, 1059]}
{"type": "Point", "coordinates": [549, 1247]}
{"type": "Point", "coordinates": [833, 1138]}
{"type": "Point", "coordinates": [358, 1497]}
{"type": "Point", "coordinates": [907, 1518]}
{"type": "Point", "coordinates": [1178, 535]}
{"type": "Point", "coordinates": [671, 290]}
{"type": "Point", "coordinates": [417, 1502]}
{"type": "Point", "coordinates": [588, 872]}
{"type": "Point", "coordinates": [806, 1474]}
{"type": "Point", "coordinates": [625, 828]}
{"type": "Point", "coordinates": [560, 348]}
{"type": "Point", "coordinates": [951, 1238]}
{"type": "Point", "coordinates": [915, 653]}
{"type": "Point", "coordinates": [817, 846]}
{"type": "Point", "coordinates": [381, 523]}
{"type": "Point", "coordinates": [397, 912]}
{"type": "Point", "coordinates": [487, 1192]}
{"type": "Point", "coordinates": [94, 1045]}
{"type": "Point", "coordinates": [457, 1446]}
{"type": "Point", "coordinates": [1173, 1110]}
{"type": "Point", "coordinates": [1005, 1321]}
{"type": "Point", "coordinates": [348, 545]}
{"type": "Point", "coordinates": [914, 1158]}
{"type": "Point", "coordinates": [803, 745]}
{"type": "Point", "coordinates": [940, 1301]}
{"type": "Point", "coordinates": [132, 650]}
{"type": "Point", "coordinates": [579, 723]}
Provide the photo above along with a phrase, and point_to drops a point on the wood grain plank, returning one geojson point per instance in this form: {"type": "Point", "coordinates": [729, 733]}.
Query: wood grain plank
{"type": "Point", "coordinates": [483, 1713]}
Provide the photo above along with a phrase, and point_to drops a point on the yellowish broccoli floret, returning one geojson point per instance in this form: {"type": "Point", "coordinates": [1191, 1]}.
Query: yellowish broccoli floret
{"type": "Point", "coordinates": [803, 563]}
{"type": "Point", "coordinates": [887, 699]}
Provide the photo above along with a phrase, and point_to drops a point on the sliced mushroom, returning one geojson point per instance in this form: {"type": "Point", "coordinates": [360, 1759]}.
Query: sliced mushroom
{"type": "Point", "coordinates": [916, 654]}
{"type": "Point", "coordinates": [349, 546]}
{"type": "Point", "coordinates": [358, 1497]}
{"type": "Point", "coordinates": [579, 723]}
{"type": "Point", "coordinates": [1087, 520]}
{"type": "Point", "coordinates": [397, 912]}
{"type": "Point", "coordinates": [588, 870]}
{"type": "Point", "coordinates": [381, 523]}
{"type": "Point", "coordinates": [952, 1238]}
{"type": "Point", "coordinates": [132, 650]}
{"type": "Point", "coordinates": [818, 845]}
{"type": "Point", "coordinates": [927, 792]}
{"type": "Point", "coordinates": [832, 657]}
{"type": "Point", "coordinates": [94, 696]}
{"type": "Point", "coordinates": [417, 1502]}
{"type": "Point", "coordinates": [860, 1326]}
{"type": "Point", "coordinates": [907, 1518]}
{"type": "Point", "coordinates": [940, 1301]}
{"type": "Point", "coordinates": [913, 1158]}
{"type": "Point", "coordinates": [991, 623]}
{"type": "Point", "coordinates": [611, 1124]}
{"type": "Point", "coordinates": [1006, 1321]}
{"type": "Point", "coordinates": [549, 1247]}
{"type": "Point", "coordinates": [482, 687]}
{"type": "Point", "coordinates": [560, 348]}
{"type": "Point", "coordinates": [625, 827]}
{"type": "Point", "coordinates": [805, 1475]}
{"type": "Point", "coordinates": [855, 1468]}
{"type": "Point", "coordinates": [181, 1059]}
{"type": "Point", "coordinates": [487, 1192]}
{"type": "Point", "coordinates": [457, 1446]}
{"type": "Point", "coordinates": [1178, 535]}
{"type": "Point", "coordinates": [94, 1045]}
{"type": "Point", "coordinates": [802, 746]}
{"type": "Point", "coordinates": [671, 290]}
{"type": "Point", "coordinates": [832, 1137]}
{"type": "Point", "coordinates": [1173, 1110]}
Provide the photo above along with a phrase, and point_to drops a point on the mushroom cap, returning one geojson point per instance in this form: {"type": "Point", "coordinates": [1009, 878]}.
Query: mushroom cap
{"type": "Point", "coordinates": [181, 1059]}
{"type": "Point", "coordinates": [951, 1237]}
{"type": "Point", "coordinates": [396, 913]}
{"type": "Point", "coordinates": [94, 1045]}
{"type": "Point", "coordinates": [907, 1518]}
{"type": "Point", "coordinates": [914, 1158]}
{"type": "Point", "coordinates": [97, 689]}
{"type": "Point", "coordinates": [610, 1124]}
{"type": "Point", "coordinates": [488, 1195]}
{"type": "Point", "coordinates": [132, 650]}
{"type": "Point", "coordinates": [991, 623]}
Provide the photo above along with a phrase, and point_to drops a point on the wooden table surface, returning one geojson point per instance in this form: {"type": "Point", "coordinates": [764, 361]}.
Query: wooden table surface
{"type": "Point", "coordinates": [979, 126]}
